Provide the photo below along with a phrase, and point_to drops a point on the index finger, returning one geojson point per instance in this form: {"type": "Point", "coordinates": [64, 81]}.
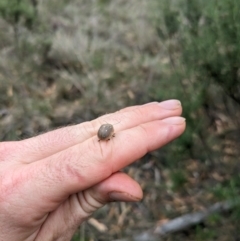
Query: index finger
{"type": "Point", "coordinates": [48, 144]}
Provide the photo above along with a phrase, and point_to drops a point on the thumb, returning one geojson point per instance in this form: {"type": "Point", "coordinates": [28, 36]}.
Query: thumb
{"type": "Point", "coordinates": [118, 187]}
{"type": "Point", "coordinates": [64, 221]}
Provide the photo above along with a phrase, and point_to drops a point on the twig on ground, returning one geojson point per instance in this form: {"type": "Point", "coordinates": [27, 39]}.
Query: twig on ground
{"type": "Point", "coordinates": [181, 223]}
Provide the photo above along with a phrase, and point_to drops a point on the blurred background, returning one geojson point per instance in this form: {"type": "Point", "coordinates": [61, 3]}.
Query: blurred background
{"type": "Point", "coordinates": [65, 62]}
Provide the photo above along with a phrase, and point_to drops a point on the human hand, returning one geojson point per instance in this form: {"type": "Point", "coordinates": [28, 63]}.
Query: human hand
{"type": "Point", "coordinates": [51, 183]}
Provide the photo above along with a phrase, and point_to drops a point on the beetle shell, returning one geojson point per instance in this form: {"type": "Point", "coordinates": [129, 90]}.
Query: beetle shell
{"type": "Point", "coordinates": [105, 132]}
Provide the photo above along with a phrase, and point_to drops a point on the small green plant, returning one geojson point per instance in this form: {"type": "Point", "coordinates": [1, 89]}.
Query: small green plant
{"type": "Point", "coordinates": [17, 12]}
{"type": "Point", "coordinates": [229, 189]}
{"type": "Point", "coordinates": [202, 233]}
{"type": "Point", "coordinates": [214, 219]}
{"type": "Point", "coordinates": [178, 179]}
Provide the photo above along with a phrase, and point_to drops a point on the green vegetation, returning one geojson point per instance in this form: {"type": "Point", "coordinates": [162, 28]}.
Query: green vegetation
{"type": "Point", "coordinates": [205, 234]}
{"type": "Point", "coordinates": [18, 13]}
{"type": "Point", "coordinates": [178, 179]}
{"type": "Point", "coordinates": [65, 62]}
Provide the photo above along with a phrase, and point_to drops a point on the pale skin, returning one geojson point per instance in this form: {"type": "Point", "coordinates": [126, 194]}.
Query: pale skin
{"type": "Point", "coordinates": [51, 183]}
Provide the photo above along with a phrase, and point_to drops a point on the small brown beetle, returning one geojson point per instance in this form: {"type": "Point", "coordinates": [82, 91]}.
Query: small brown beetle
{"type": "Point", "coordinates": [105, 132]}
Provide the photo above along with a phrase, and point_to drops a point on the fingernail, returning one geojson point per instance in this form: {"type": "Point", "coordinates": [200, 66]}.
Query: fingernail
{"type": "Point", "coordinates": [170, 104]}
{"type": "Point", "coordinates": [177, 120]}
{"type": "Point", "coordinates": [123, 197]}
{"type": "Point", "coordinates": [151, 103]}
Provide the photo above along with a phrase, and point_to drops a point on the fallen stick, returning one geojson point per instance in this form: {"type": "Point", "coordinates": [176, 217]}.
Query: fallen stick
{"type": "Point", "coordinates": [188, 220]}
{"type": "Point", "coordinates": [181, 223]}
